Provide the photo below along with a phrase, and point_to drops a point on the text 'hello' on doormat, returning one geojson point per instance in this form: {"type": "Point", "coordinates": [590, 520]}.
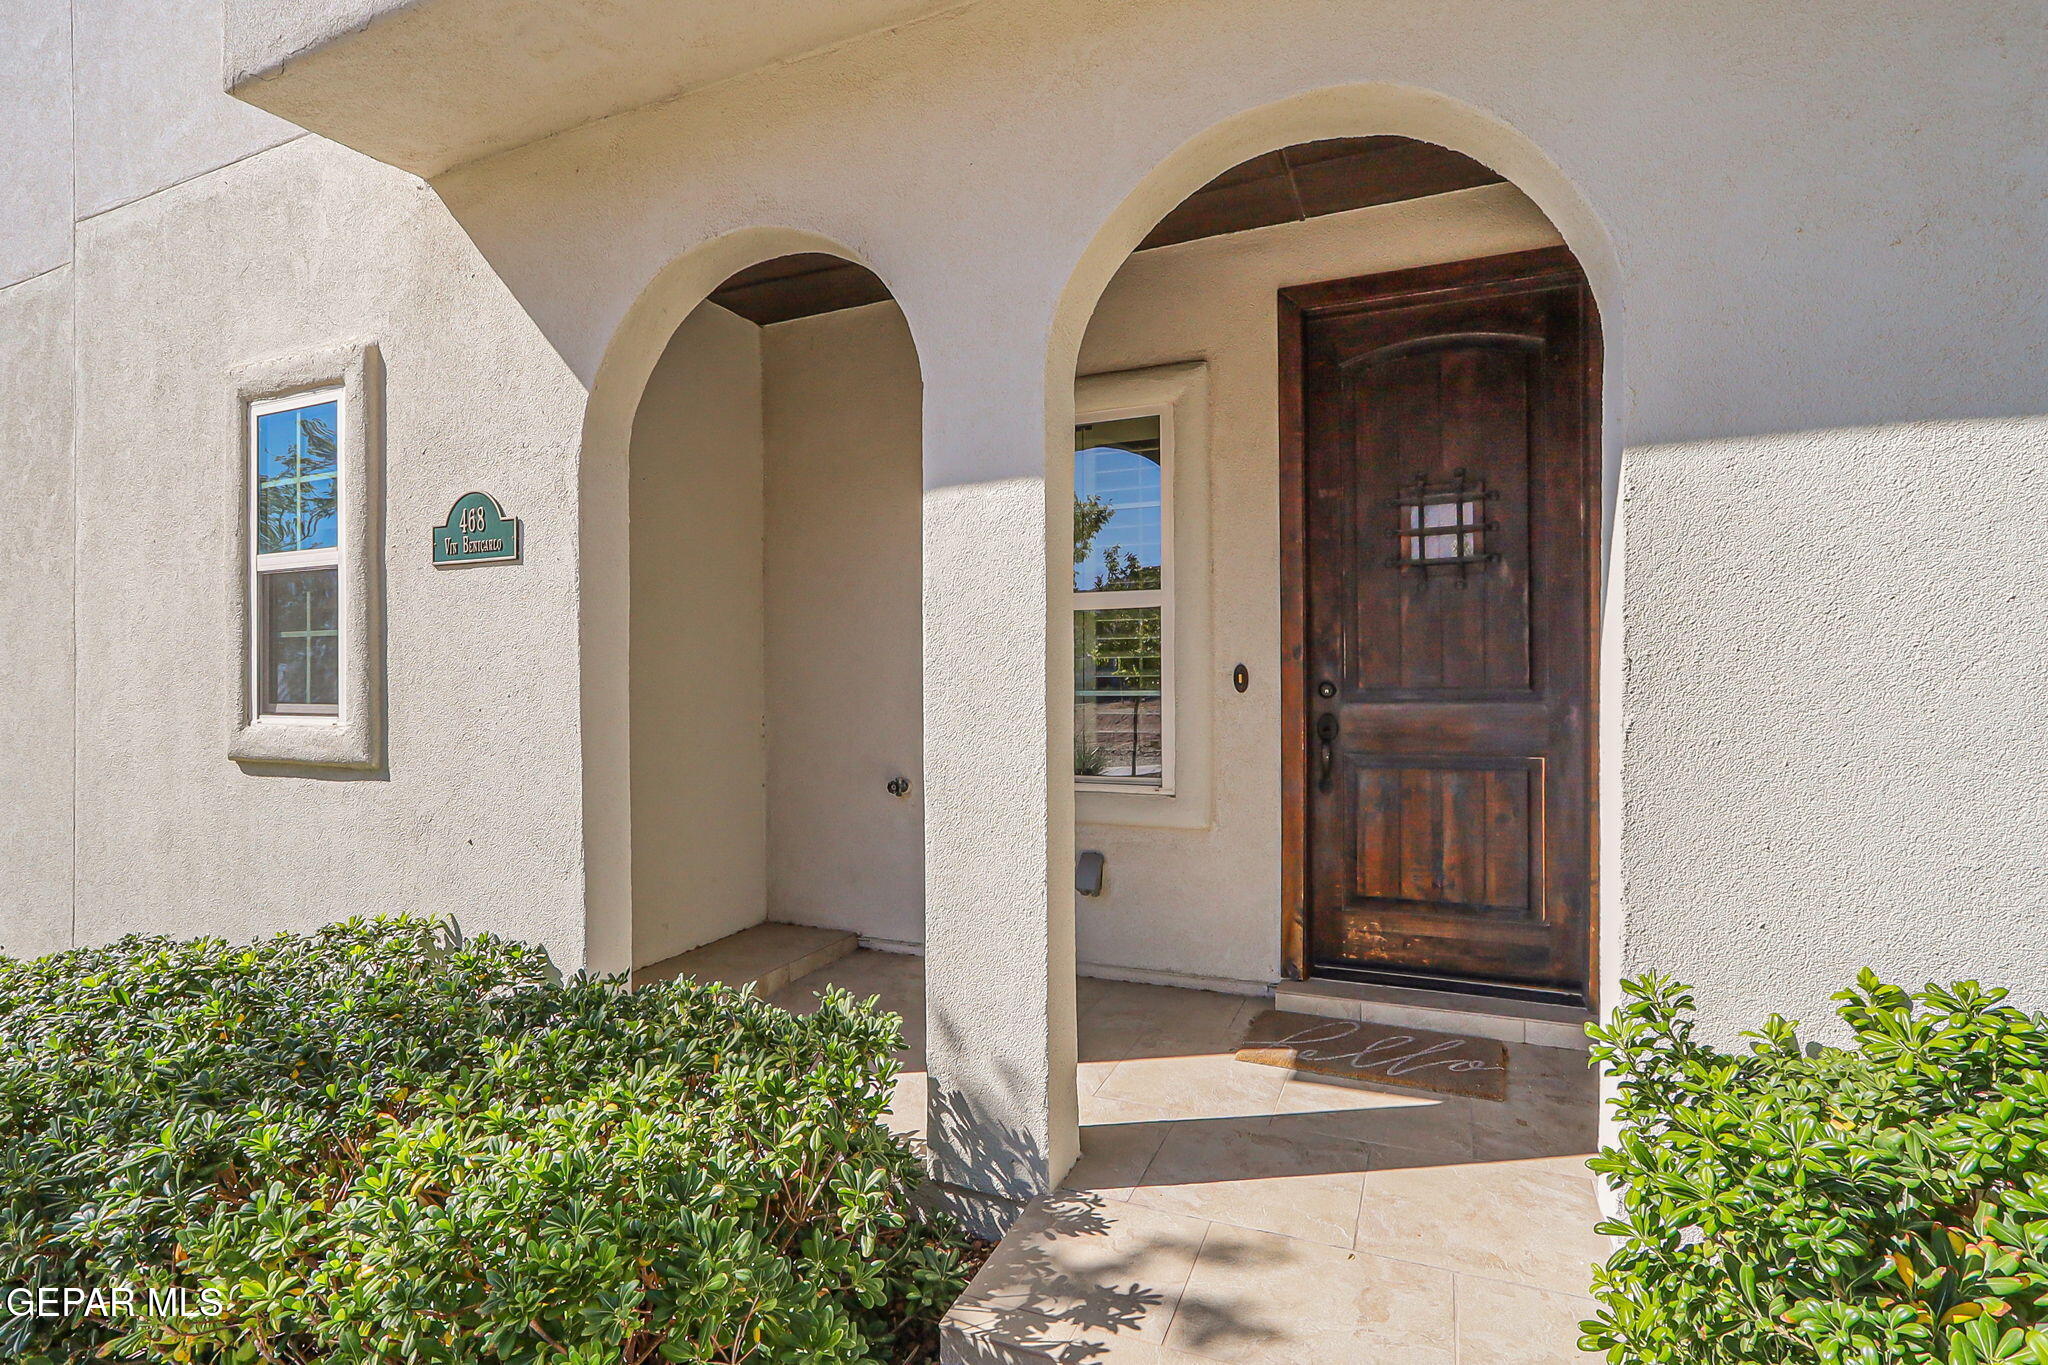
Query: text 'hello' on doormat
{"type": "Point", "coordinates": [1384, 1053]}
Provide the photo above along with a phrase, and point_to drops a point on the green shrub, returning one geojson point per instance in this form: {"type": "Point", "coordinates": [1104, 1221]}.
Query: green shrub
{"type": "Point", "coordinates": [374, 1144]}
{"type": "Point", "coordinates": [1871, 1205]}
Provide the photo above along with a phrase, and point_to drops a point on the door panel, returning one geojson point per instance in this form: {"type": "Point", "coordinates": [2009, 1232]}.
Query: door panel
{"type": "Point", "coordinates": [1448, 521]}
{"type": "Point", "coordinates": [1425, 416]}
{"type": "Point", "coordinates": [1444, 835]}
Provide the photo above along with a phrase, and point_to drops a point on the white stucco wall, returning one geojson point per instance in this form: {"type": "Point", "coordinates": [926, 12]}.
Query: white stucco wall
{"type": "Point", "coordinates": [36, 600]}
{"type": "Point", "coordinates": [700, 820]}
{"type": "Point", "coordinates": [843, 412]}
{"type": "Point", "coordinates": [474, 813]}
{"type": "Point", "coordinates": [1205, 903]}
{"type": "Point", "coordinates": [35, 138]}
{"type": "Point", "coordinates": [149, 107]}
{"type": "Point", "coordinates": [1838, 731]}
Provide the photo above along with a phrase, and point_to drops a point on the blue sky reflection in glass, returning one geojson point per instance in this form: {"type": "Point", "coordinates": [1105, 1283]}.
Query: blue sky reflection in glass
{"type": "Point", "coordinates": [295, 480]}
{"type": "Point", "coordinates": [1116, 464]}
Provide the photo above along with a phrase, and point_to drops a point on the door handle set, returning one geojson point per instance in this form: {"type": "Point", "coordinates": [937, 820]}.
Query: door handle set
{"type": "Point", "coordinates": [1326, 749]}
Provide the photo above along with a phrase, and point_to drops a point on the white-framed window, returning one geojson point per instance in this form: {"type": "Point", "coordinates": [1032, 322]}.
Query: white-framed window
{"type": "Point", "coordinates": [296, 534]}
{"type": "Point", "coordinates": [1144, 693]}
{"type": "Point", "coordinates": [307, 569]}
{"type": "Point", "coordinates": [1123, 600]}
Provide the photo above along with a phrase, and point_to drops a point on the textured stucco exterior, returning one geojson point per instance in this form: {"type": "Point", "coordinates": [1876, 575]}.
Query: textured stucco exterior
{"type": "Point", "coordinates": [1836, 754]}
{"type": "Point", "coordinates": [36, 605]}
{"type": "Point", "coordinates": [35, 139]}
{"type": "Point", "coordinates": [146, 99]}
{"type": "Point", "coordinates": [467, 814]}
{"type": "Point", "coordinates": [700, 755]}
{"type": "Point", "coordinates": [1815, 234]}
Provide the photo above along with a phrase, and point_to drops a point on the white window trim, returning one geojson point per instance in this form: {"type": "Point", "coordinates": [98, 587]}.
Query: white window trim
{"type": "Point", "coordinates": [351, 375]}
{"type": "Point", "coordinates": [1179, 395]}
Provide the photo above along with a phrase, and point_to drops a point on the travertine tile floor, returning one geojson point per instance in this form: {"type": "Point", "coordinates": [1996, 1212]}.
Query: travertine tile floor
{"type": "Point", "coordinates": [1228, 1212]}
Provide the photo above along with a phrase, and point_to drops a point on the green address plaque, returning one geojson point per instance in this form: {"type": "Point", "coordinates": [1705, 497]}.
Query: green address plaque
{"type": "Point", "coordinates": [477, 532]}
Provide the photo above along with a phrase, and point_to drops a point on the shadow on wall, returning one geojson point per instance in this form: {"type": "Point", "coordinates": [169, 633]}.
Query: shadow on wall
{"type": "Point", "coordinates": [975, 1152]}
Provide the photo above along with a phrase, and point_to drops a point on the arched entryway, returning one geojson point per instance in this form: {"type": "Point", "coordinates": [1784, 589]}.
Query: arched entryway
{"type": "Point", "coordinates": [1205, 594]}
{"type": "Point", "coordinates": [1301, 301]}
{"type": "Point", "coordinates": [773, 486]}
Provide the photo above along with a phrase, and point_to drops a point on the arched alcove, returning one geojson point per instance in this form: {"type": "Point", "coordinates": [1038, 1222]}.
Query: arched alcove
{"type": "Point", "coordinates": [1313, 204]}
{"type": "Point", "coordinates": [752, 638]}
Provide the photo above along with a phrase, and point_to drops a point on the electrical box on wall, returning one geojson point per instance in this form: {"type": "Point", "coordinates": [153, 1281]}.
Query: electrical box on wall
{"type": "Point", "coordinates": [1088, 871]}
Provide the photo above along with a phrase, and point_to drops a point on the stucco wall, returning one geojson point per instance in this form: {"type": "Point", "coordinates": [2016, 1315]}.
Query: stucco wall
{"type": "Point", "coordinates": [474, 814]}
{"type": "Point", "coordinates": [150, 111]}
{"type": "Point", "coordinates": [700, 824]}
{"type": "Point", "coordinates": [36, 504]}
{"type": "Point", "coordinates": [1206, 902]}
{"type": "Point", "coordinates": [844, 632]}
{"type": "Point", "coordinates": [35, 615]}
{"type": "Point", "coordinates": [1836, 752]}
{"type": "Point", "coordinates": [35, 138]}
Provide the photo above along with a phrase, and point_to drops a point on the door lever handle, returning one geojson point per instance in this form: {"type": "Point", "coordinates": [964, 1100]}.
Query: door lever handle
{"type": "Point", "coordinates": [1326, 749]}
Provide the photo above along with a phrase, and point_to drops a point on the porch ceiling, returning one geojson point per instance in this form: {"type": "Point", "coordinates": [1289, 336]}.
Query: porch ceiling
{"type": "Point", "coordinates": [429, 84]}
{"type": "Point", "coordinates": [1288, 186]}
{"type": "Point", "coordinates": [1311, 179]}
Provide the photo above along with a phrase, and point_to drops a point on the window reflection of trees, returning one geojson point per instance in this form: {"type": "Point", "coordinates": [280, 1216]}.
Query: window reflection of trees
{"type": "Point", "coordinates": [1118, 650]}
{"type": "Point", "coordinates": [293, 509]}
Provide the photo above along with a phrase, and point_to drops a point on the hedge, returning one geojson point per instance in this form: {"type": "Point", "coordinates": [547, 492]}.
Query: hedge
{"type": "Point", "coordinates": [1875, 1204]}
{"type": "Point", "coordinates": [375, 1143]}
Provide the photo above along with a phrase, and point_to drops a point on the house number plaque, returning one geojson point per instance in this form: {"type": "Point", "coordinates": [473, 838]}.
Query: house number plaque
{"type": "Point", "coordinates": [477, 532]}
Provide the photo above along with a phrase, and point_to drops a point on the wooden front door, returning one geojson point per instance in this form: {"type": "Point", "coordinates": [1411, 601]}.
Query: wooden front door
{"type": "Point", "coordinates": [1443, 507]}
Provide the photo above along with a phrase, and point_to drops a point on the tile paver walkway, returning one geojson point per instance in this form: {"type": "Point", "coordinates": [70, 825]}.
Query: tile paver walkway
{"type": "Point", "coordinates": [1227, 1212]}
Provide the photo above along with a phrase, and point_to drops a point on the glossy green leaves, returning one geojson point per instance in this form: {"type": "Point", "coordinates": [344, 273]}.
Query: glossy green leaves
{"type": "Point", "coordinates": [374, 1144]}
{"type": "Point", "coordinates": [1877, 1204]}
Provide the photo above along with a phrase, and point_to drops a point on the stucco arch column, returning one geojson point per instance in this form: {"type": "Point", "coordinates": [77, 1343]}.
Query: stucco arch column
{"type": "Point", "coordinates": [998, 799]}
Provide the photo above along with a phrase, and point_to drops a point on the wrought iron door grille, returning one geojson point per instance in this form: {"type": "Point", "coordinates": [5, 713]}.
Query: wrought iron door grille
{"type": "Point", "coordinates": [1440, 524]}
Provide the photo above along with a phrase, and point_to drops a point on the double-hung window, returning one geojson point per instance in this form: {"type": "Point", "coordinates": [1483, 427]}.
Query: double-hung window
{"type": "Point", "coordinates": [1123, 601]}
{"type": "Point", "coordinates": [297, 535]}
{"type": "Point", "coordinates": [307, 565]}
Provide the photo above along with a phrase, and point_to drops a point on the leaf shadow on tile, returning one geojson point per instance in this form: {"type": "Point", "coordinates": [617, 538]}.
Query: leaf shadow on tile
{"type": "Point", "coordinates": [1080, 1280]}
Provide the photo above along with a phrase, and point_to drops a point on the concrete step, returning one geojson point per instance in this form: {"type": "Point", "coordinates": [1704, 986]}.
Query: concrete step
{"type": "Point", "coordinates": [1475, 1016]}
{"type": "Point", "coordinates": [761, 960]}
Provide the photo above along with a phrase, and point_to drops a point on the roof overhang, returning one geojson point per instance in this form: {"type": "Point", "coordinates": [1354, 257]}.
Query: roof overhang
{"type": "Point", "coordinates": [430, 84]}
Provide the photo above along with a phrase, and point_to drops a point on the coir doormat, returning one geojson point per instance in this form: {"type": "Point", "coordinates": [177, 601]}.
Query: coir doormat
{"type": "Point", "coordinates": [1443, 1062]}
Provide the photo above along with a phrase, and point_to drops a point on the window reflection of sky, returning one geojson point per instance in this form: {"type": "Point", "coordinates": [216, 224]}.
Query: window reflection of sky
{"type": "Point", "coordinates": [1129, 483]}
{"type": "Point", "coordinates": [295, 488]}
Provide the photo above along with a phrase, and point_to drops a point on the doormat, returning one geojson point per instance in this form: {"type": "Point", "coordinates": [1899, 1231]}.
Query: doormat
{"type": "Point", "coordinates": [1384, 1053]}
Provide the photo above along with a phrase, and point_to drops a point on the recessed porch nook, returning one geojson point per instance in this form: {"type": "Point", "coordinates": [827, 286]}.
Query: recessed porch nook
{"type": "Point", "coordinates": [785, 614]}
{"type": "Point", "coordinates": [830, 617]}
